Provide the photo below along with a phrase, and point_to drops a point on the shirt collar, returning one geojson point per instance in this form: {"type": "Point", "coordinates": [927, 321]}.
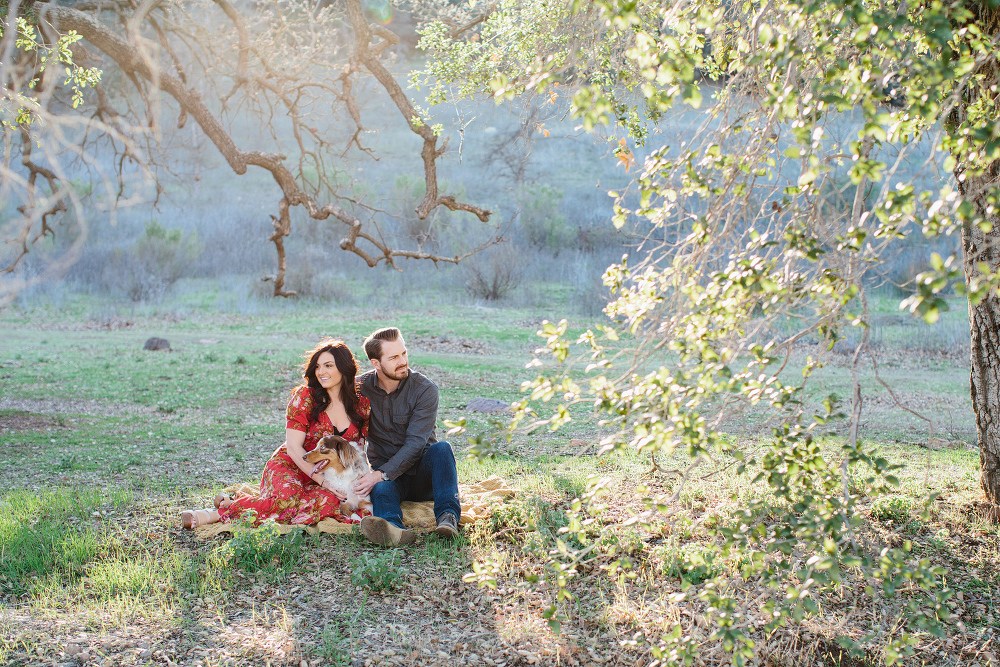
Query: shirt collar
{"type": "Point", "coordinates": [383, 392]}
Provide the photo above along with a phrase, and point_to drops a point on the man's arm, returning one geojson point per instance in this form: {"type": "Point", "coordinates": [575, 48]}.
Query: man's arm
{"type": "Point", "coordinates": [418, 433]}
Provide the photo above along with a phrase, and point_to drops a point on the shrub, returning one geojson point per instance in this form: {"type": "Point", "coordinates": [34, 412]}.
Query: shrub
{"type": "Point", "coordinates": [541, 222]}
{"type": "Point", "coordinates": [157, 259]}
{"type": "Point", "coordinates": [377, 572]}
{"type": "Point", "coordinates": [493, 274]}
{"type": "Point", "coordinates": [694, 563]}
{"type": "Point", "coordinates": [409, 192]}
{"type": "Point", "coordinates": [891, 507]}
{"type": "Point", "coordinates": [260, 549]}
{"type": "Point", "coordinates": [312, 273]}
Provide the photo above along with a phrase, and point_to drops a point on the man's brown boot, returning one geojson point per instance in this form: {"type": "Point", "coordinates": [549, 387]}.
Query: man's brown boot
{"type": "Point", "coordinates": [382, 532]}
{"type": "Point", "coordinates": [447, 526]}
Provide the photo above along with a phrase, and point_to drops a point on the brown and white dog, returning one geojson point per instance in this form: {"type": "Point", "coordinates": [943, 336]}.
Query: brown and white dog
{"type": "Point", "coordinates": [342, 463]}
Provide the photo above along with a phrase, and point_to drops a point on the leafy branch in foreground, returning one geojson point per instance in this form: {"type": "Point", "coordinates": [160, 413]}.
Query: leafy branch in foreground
{"type": "Point", "coordinates": [766, 227]}
{"type": "Point", "coordinates": [20, 108]}
{"type": "Point", "coordinates": [801, 538]}
{"type": "Point", "coordinates": [823, 125]}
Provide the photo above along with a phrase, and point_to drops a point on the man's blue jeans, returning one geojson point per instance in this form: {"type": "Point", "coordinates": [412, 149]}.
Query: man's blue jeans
{"type": "Point", "coordinates": [435, 478]}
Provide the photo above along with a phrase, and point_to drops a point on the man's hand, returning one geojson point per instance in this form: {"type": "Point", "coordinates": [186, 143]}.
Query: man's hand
{"type": "Point", "coordinates": [365, 484]}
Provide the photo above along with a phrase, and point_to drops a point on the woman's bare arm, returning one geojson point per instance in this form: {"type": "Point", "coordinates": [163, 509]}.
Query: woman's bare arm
{"type": "Point", "coordinates": [293, 443]}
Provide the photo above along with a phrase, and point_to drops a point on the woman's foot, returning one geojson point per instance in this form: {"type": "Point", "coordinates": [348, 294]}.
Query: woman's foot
{"type": "Point", "coordinates": [195, 518]}
{"type": "Point", "coordinates": [222, 501]}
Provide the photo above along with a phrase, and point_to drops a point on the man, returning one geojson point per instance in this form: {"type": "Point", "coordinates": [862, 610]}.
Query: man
{"type": "Point", "coordinates": [407, 461]}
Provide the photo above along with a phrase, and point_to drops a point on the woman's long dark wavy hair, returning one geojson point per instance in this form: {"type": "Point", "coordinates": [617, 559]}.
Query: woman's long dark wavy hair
{"type": "Point", "coordinates": [348, 368]}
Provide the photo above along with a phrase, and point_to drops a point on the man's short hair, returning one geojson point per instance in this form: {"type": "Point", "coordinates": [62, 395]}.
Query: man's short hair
{"type": "Point", "coordinates": [373, 344]}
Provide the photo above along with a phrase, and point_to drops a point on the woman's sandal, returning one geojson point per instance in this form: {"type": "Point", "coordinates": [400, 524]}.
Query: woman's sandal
{"type": "Point", "coordinates": [195, 518]}
{"type": "Point", "coordinates": [220, 499]}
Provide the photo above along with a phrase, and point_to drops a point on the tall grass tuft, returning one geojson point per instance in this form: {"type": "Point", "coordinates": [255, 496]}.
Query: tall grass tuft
{"type": "Point", "coordinates": [262, 549]}
{"type": "Point", "coordinates": [43, 533]}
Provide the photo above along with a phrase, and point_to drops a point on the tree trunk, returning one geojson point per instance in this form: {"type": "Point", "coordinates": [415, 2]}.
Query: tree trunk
{"type": "Point", "coordinates": [984, 322]}
{"type": "Point", "coordinates": [983, 247]}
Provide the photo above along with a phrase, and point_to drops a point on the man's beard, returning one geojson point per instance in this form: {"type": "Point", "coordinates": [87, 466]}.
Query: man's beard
{"type": "Point", "coordinates": [398, 375]}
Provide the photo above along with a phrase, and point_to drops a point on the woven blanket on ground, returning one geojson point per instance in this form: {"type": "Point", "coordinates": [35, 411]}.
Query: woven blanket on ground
{"type": "Point", "coordinates": [476, 501]}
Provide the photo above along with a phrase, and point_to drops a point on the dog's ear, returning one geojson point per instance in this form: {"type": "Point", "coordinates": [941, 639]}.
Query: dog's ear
{"type": "Point", "coordinates": [348, 454]}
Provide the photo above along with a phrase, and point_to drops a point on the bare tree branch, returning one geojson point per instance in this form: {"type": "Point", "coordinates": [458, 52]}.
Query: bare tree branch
{"type": "Point", "coordinates": [272, 60]}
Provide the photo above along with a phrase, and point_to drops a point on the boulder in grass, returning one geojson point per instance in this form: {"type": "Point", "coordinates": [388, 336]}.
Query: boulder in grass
{"type": "Point", "coordinates": [490, 406]}
{"type": "Point", "coordinates": [155, 344]}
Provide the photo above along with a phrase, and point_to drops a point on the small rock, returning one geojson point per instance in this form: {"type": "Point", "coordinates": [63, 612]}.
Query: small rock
{"type": "Point", "coordinates": [73, 649]}
{"type": "Point", "coordinates": [488, 405]}
{"type": "Point", "coordinates": [155, 344]}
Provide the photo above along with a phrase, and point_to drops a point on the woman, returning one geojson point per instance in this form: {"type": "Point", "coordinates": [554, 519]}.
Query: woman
{"type": "Point", "coordinates": [327, 404]}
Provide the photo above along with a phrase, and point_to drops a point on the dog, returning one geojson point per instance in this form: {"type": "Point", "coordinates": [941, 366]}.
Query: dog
{"type": "Point", "coordinates": [343, 463]}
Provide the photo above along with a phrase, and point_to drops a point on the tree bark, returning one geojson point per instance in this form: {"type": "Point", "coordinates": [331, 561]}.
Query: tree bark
{"type": "Point", "coordinates": [981, 249]}
{"type": "Point", "coordinates": [984, 323]}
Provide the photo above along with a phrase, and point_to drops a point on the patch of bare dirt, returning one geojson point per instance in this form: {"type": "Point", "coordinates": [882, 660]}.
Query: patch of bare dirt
{"type": "Point", "coordinates": [533, 323]}
{"type": "Point", "coordinates": [842, 354]}
{"type": "Point", "coordinates": [447, 344]}
{"type": "Point", "coordinates": [981, 510]}
{"type": "Point", "coordinates": [113, 323]}
{"type": "Point", "coordinates": [16, 421]}
{"type": "Point", "coordinates": [92, 408]}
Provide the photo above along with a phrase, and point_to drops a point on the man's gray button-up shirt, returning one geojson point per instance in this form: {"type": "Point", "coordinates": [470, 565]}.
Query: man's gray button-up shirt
{"type": "Point", "coordinates": [401, 426]}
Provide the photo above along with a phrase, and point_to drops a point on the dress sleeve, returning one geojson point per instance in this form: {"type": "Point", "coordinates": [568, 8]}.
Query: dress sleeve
{"type": "Point", "coordinates": [365, 408]}
{"type": "Point", "coordinates": [299, 409]}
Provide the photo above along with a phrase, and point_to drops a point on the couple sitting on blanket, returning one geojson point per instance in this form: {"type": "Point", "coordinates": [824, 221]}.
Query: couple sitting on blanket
{"type": "Point", "coordinates": [391, 406]}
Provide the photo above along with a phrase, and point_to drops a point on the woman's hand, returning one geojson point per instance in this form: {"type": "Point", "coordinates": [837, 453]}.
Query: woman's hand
{"type": "Point", "coordinates": [332, 489]}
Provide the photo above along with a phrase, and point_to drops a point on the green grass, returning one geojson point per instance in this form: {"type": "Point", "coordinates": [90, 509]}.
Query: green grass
{"type": "Point", "coordinates": [94, 555]}
{"type": "Point", "coordinates": [264, 549]}
{"type": "Point", "coordinates": [58, 539]}
{"type": "Point", "coordinates": [121, 440]}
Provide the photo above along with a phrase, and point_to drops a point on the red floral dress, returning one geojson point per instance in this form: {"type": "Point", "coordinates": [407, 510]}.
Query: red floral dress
{"type": "Point", "coordinates": [287, 494]}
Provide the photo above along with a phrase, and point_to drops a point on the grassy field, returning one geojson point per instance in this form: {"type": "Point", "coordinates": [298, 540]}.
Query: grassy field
{"type": "Point", "coordinates": [102, 444]}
